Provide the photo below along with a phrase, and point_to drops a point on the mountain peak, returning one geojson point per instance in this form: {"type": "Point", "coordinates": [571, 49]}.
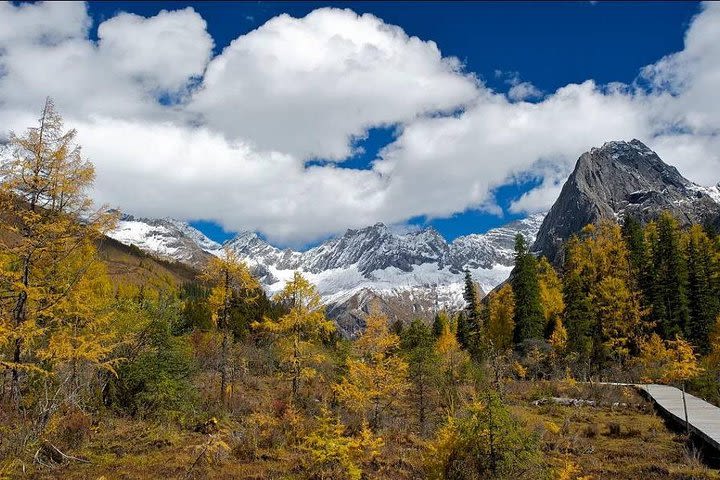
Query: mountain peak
{"type": "Point", "coordinates": [622, 178]}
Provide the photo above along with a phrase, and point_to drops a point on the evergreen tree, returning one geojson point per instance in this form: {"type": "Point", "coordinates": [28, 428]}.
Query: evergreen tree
{"type": "Point", "coordinates": [439, 322]}
{"type": "Point", "coordinates": [471, 326]}
{"type": "Point", "coordinates": [418, 345]}
{"type": "Point", "coordinates": [669, 296]}
{"type": "Point", "coordinates": [703, 301]}
{"type": "Point", "coordinates": [529, 318]}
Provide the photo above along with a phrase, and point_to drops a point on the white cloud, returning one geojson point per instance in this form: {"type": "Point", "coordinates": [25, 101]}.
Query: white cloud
{"type": "Point", "coordinates": [162, 52]}
{"type": "Point", "coordinates": [308, 86]}
{"type": "Point", "coordinates": [234, 148]}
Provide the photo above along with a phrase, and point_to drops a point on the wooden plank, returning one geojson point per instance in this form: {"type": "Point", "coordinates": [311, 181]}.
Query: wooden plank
{"type": "Point", "coordinates": [704, 418]}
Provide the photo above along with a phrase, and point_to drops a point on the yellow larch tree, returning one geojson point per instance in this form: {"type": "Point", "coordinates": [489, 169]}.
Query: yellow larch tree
{"type": "Point", "coordinates": [300, 331]}
{"type": "Point", "coordinates": [453, 358]}
{"type": "Point", "coordinates": [501, 312]}
{"type": "Point", "coordinates": [48, 226]}
{"type": "Point", "coordinates": [226, 275]}
{"type": "Point", "coordinates": [377, 378]}
{"type": "Point", "coordinates": [551, 293]}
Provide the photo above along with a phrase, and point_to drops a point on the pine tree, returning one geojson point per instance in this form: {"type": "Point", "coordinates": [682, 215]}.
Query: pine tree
{"type": "Point", "coordinates": [469, 331]}
{"type": "Point", "coordinates": [418, 345]}
{"type": "Point", "coordinates": [439, 322]}
{"type": "Point", "coordinates": [227, 277]}
{"type": "Point", "coordinates": [529, 318]}
{"type": "Point", "coordinates": [300, 331]}
{"type": "Point", "coordinates": [48, 220]}
{"type": "Point", "coordinates": [703, 301]}
{"type": "Point", "coordinates": [669, 296]}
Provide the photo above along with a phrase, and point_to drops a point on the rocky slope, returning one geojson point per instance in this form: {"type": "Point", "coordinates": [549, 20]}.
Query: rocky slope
{"type": "Point", "coordinates": [618, 179]}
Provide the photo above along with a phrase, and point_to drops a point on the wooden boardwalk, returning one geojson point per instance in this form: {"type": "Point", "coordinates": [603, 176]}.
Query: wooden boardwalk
{"type": "Point", "coordinates": [703, 417]}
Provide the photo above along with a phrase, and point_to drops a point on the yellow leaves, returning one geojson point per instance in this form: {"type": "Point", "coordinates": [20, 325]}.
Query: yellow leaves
{"type": "Point", "coordinates": [330, 453]}
{"type": "Point", "coordinates": [558, 337]}
{"type": "Point", "coordinates": [501, 312]}
{"type": "Point", "coordinates": [377, 378]}
{"type": "Point", "coordinates": [299, 332]}
{"type": "Point", "coordinates": [668, 360]}
{"type": "Point", "coordinates": [227, 275]}
{"type": "Point", "coordinates": [520, 370]}
{"type": "Point", "coordinates": [570, 471]}
{"type": "Point", "coordinates": [552, 428]}
{"type": "Point", "coordinates": [551, 295]}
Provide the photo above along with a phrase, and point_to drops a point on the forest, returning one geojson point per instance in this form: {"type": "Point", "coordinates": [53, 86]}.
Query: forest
{"type": "Point", "coordinates": [109, 377]}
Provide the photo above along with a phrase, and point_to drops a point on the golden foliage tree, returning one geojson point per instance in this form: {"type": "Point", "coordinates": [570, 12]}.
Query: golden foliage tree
{"type": "Point", "coordinates": [227, 275]}
{"type": "Point", "coordinates": [501, 313]}
{"type": "Point", "coordinates": [551, 293]}
{"type": "Point", "coordinates": [377, 378]}
{"type": "Point", "coordinates": [48, 228]}
{"type": "Point", "coordinates": [300, 331]}
{"type": "Point", "coordinates": [453, 359]}
{"type": "Point", "coordinates": [332, 453]}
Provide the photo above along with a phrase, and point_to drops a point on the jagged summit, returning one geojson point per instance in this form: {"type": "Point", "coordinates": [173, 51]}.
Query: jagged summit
{"type": "Point", "coordinates": [622, 178]}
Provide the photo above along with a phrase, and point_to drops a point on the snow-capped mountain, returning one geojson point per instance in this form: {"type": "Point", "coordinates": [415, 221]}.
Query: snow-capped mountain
{"type": "Point", "coordinates": [420, 268]}
{"type": "Point", "coordinates": [166, 238]}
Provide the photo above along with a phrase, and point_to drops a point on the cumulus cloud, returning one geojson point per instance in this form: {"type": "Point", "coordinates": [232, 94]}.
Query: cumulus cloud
{"type": "Point", "coordinates": [234, 143]}
{"type": "Point", "coordinates": [308, 86]}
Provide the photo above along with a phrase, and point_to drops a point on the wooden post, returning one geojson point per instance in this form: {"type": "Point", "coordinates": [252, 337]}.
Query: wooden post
{"type": "Point", "coordinates": [687, 422]}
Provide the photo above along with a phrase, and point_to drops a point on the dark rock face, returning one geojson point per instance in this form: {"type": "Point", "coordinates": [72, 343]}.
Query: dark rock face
{"type": "Point", "coordinates": [619, 179]}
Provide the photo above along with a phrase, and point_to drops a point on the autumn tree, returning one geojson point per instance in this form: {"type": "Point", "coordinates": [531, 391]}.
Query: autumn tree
{"type": "Point", "coordinates": [49, 226]}
{"type": "Point", "coordinates": [603, 314]}
{"type": "Point", "coordinates": [300, 331]}
{"type": "Point", "coordinates": [330, 452]}
{"type": "Point", "coordinates": [551, 294]}
{"type": "Point", "coordinates": [486, 441]}
{"type": "Point", "coordinates": [501, 322]}
{"type": "Point", "coordinates": [669, 361]}
{"type": "Point", "coordinates": [453, 360]}
{"type": "Point", "coordinates": [376, 379]}
{"type": "Point", "coordinates": [227, 277]}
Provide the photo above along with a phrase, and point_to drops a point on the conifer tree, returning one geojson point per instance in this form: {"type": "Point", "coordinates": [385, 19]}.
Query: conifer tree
{"type": "Point", "coordinates": [703, 301]}
{"type": "Point", "coordinates": [418, 345]}
{"type": "Point", "coordinates": [439, 322]}
{"type": "Point", "coordinates": [529, 318]}
{"type": "Point", "coordinates": [376, 379]}
{"type": "Point", "coordinates": [469, 322]}
{"type": "Point", "coordinates": [50, 226]}
{"type": "Point", "coordinates": [501, 322]}
{"type": "Point", "coordinates": [669, 296]}
{"type": "Point", "coordinates": [551, 294]}
{"type": "Point", "coordinates": [300, 331]}
{"type": "Point", "coordinates": [228, 277]}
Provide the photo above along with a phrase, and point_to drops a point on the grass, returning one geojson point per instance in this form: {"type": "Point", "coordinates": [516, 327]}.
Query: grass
{"type": "Point", "coordinates": [619, 438]}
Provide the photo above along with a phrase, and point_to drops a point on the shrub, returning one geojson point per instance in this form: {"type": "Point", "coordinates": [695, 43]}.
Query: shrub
{"type": "Point", "coordinates": [486, 442]}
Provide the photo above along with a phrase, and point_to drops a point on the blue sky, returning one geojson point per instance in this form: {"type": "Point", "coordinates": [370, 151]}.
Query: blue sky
{"type": "Point", "coordinates": [458, 115]}
{"type": "Point", "coordinates": [549, 44]}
